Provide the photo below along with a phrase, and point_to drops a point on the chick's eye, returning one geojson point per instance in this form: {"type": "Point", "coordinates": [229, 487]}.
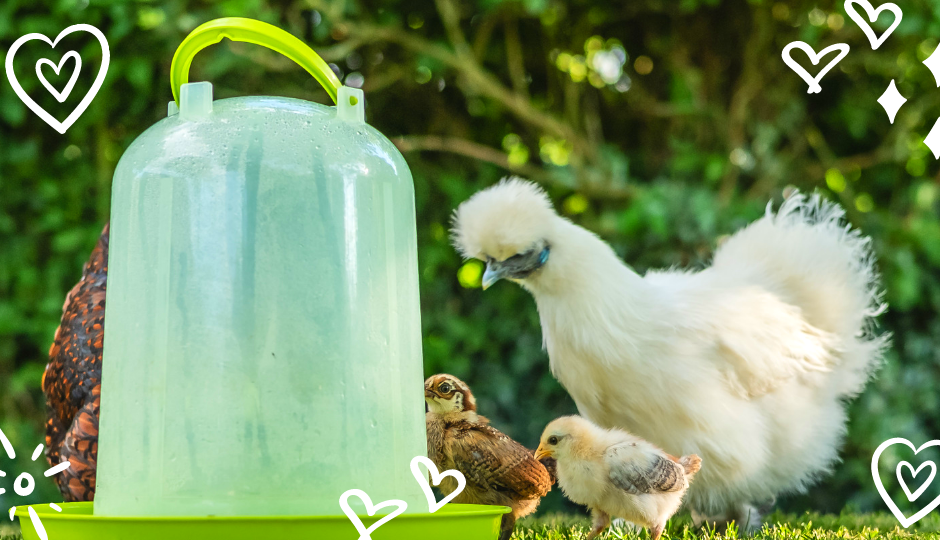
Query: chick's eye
{"type": "Point", "coordinates": [553, 440]}
{"type": "Point", "coordinates": [444, 388]}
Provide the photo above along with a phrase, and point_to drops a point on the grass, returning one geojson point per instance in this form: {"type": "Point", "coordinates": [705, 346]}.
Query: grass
{"type": "Point", "coordinates": [779, 527]}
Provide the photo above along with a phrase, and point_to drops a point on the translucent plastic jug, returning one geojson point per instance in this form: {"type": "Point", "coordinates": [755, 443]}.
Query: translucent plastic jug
{"type": "Point", "coordinates": [262, 349]}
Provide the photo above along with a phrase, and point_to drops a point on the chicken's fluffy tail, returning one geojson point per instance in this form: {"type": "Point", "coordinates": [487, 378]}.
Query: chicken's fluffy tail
{"type": "Point", "coordinates": [810, 257]}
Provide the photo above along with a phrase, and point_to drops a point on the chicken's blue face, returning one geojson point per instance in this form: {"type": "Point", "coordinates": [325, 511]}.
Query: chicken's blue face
{"type": "Point", "coordinates": [517, 267]}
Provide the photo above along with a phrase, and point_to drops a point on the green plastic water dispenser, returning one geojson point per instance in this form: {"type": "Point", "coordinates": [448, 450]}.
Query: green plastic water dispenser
{"type": "Point", "coordinates": [262, 348]}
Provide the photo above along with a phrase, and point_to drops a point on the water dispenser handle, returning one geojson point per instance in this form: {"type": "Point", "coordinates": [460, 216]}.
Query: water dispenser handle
{"type": "Point", "coordinates": [249, 31]}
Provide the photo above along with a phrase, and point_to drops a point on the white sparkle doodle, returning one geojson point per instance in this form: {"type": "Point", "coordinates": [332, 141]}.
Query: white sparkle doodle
{"type": "Point", "coordinates": [25, 484]}
{"type": "Point", "coordinates": [891, 101]}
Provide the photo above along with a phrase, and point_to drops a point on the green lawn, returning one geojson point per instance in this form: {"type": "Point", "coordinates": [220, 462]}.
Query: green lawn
{"type": "Point", "coordinates": [782, 527]}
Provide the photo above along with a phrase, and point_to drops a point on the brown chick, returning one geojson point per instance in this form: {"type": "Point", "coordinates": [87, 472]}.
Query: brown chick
{"type": "Point", "coordinates": [499, 471]}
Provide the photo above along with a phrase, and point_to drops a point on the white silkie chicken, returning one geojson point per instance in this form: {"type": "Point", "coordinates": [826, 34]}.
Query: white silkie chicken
{"type": "Point", "coordinates": [745, 363]}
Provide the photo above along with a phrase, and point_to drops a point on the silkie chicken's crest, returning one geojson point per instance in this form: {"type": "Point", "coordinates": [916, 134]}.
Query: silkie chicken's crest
{"type": "Point", "coordinates": [502, 220]}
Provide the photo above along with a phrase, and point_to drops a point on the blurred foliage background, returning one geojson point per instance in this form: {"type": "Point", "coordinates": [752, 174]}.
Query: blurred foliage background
{"type": "Point", "coordinates": [661, 125]}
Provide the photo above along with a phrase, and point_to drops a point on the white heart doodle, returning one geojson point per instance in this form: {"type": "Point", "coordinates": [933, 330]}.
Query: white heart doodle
{"type": "Point", "coordinates": [905, 521]}
{"type": "Point", "coordinates": [364, 533]}
{"type": "Point", "coordinates": [61, 127]}
{"type": "Point", "coordinates": [64, 94]}
{"type": "Point", "coordinates": [873, 16]}
{"type": "Point", "coordinates": [923, 487]}
{"type": "Point", "coordinates": [814, 57]}
{"type": "Point", "coordinates": [436, 478]}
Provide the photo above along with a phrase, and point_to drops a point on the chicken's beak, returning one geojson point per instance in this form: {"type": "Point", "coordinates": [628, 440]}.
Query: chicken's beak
{"type": "Point", "coordinates": [541, 453]}
{"type": "Point", "coordinates": [492, 274]}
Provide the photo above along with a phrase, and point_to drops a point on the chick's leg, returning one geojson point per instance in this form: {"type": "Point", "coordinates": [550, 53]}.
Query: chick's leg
{"type": "Point", "coordinates": [601, 521]}
{"type": "Point", "coordinates": [507, 525]}
{"type": "Point", "coordinates": [656, 531]}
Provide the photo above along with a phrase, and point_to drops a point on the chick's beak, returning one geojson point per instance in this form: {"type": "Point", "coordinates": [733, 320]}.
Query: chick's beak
{"type": "Point", "coordinates": [492, 274]}
{"type": "Point", "coordinates": [429, 394]}
{"type": "Point", "coordinates": [542, 452]}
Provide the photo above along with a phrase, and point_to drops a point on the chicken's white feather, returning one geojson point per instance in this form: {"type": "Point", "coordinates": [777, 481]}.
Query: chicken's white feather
{"type": "Point", "coordinates": [745, 363]}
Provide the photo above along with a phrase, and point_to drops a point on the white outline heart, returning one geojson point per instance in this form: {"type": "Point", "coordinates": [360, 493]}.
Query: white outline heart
{"type": "Point", "coordinates": [61, 127]}
{"type": "Point", "coordinates": [905, 521]}
{"type": "Point", "coordinates": [814, 57]}
{"type": "Point", "coordinates": [364, 533]}
{"type": "Point", "coordinates": [436, 477]}
{"type": "Point", "coordinates": [923, 487]}
{"type": "Point", "coordinates": [873, 15]}
{"type": "Point", "coordinates": [64, 94]}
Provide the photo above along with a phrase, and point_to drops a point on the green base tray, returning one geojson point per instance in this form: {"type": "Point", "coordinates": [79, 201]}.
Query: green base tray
{"type": "Point", "coordinates": [76, 522]}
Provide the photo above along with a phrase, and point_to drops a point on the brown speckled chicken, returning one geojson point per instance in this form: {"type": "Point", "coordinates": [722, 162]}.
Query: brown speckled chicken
{"type": "Point", "coordinates": [72, 381]}
{"type": "Point", "coordinates": [499, 471]}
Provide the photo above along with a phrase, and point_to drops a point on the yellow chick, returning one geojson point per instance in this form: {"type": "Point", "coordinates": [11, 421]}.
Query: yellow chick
{"type": "Point", "coordinates": [616, 474]}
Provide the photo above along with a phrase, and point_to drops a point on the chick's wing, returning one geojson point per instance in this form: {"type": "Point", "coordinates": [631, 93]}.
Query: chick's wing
{"type": "Point", "coordinates": [491, 459]}
{"type": "Point", "coordinates": [638, 471]}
